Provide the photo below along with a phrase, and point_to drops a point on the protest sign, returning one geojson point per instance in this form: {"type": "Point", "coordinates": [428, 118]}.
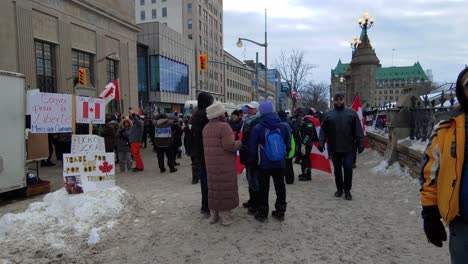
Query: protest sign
{"type": "Point", "coordinates": [87, 144]}
{"type": "Point", "coordinates": [90, 110]}
{"type": "Point", "coordinates": [51, 113]}
{"type": "Point", "coordinates": [90, 172]}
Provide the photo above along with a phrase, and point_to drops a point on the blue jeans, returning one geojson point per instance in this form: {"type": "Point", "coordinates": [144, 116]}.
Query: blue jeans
{"type": "Point", "coordinates": [204, 186]}
{"type": "Point", "coordinates": [252, 178]}
{"type": "Point", "coordinates": [458, 243]}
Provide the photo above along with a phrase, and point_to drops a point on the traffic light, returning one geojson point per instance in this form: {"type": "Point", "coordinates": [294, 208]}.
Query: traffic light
{"type": "Point", "coordinates": [203, 62]}
{"type": "Point", "coordinates": [82, 81]}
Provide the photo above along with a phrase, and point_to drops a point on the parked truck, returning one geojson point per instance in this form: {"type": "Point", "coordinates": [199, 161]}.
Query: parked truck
{"type": "Point", "coordinates": [12, 131]}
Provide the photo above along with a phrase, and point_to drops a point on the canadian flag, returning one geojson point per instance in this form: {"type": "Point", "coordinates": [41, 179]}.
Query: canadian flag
{"type": "Point", "coordinates": [239, 166]}
{"type": "Point", "coordinates": [111, 91]}
{"type": "Point", "coordinates": [356, 106]}
{"type": "Point", "coordinates": [90, 110]}
{"type": "Point", "coordinates": [318, 160]}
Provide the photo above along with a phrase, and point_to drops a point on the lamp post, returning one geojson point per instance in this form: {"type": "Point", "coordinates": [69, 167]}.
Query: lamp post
{"type": "Point", "coordinates": [354, 43]}
{"type": "Point", "coordinates": [365, 22]}
{"type": "Point", "coordinates": [265, 45]}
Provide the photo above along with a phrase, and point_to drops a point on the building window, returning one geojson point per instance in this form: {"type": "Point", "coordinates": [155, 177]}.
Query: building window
{"type": "Point", "coordinates": [142, 2]}
{"type": "Point", "coordinates": [168, 75]}
{"type": "Point", "coordinates": [199, 10]}
{"type": "Point", "coordinates": [142, 15]}
{"type": "Point", "coordinates": [45, 67]}
{"type": "Point", "coordinates": [189, 23]}
{"type": "Point", "coordinates": [153, 13]}
{"type": "Point", "coordinates": [153, 1]}
{"type": "Point", "coordinates": [111, 70]}
{"type": "Point", "coordinates": [164, 11]}
{"type": "Point", "coordinates": [82, 59]}
{"type": "Point", "coordinates": [190, 36]}
{"type": "Point", "coordinates": [189, 8]}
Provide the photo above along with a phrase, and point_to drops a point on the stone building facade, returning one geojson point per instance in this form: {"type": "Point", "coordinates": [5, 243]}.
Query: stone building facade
{"type": "Point", "coordinates": [48, 40]}
{"type": "Point", "coordinates": [238, 80]}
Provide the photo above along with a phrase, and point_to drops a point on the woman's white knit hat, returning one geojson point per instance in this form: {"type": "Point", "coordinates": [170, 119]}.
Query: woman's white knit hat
{"type": "Point", "coordinates": [215, 110]}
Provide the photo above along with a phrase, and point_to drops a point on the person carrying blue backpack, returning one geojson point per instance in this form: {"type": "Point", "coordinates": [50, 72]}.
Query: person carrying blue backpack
{"type": "Point", "coordinates": [271, 141]}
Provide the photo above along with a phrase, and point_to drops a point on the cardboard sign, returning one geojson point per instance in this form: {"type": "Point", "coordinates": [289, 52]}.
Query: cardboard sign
{"type": "Point", "coordinates": [90, 110]}
{"type": "Point", "coordinates": [88, 172]}
{"type": "Point", "coordinates": [87, 144]}
{"type": "Point", "coordinates": [51, 113]}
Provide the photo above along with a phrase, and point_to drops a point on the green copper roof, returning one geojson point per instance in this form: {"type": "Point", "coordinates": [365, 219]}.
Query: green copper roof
{"type": "Point", "coordinates": [389, 73]}
{"type": "Point", "coordinates": [404, 72]}
{"type": "Point", "coordinates": [340, 68]}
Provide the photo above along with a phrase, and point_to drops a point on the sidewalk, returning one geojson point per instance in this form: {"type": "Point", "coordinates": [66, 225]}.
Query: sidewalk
{"type": "Point", "coordinates": [381, 224]}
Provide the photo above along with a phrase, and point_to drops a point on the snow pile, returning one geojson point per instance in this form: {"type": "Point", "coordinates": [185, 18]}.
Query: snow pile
{"type": "Point", "coordinates": [62, 218]}
{"type": "Point", "coordinates": [394, 170]}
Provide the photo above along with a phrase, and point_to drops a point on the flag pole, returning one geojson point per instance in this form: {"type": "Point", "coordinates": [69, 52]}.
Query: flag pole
{"type": "Point", "coordinates": [120, 99]}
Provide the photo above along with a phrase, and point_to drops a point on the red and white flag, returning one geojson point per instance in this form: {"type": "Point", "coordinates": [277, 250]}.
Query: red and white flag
{"type": "Point", "coordinates": [239, 166]}
{"type": "Point", "coordinates": [111, 92]}
{"type": "Point", "coordinates": [90, 110]}
{"type": "Point", "coordinates": [356, 106]}
{"type": "Point", "coordinates": [318, 160]}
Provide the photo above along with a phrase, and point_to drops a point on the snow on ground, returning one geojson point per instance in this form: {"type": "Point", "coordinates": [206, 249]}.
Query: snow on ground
{"type": "Point", "coordinates": [64, 221]}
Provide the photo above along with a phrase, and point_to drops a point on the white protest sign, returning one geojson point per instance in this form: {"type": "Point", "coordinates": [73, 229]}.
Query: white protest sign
{"type": "Point", "coordinates": [90, 110]}
{"type": "Point", "coordinates": [51, 113]}
{"type": "Point", "coordinates": [86, 144]}
{"type": "Point", "coordinates": [95, 171]}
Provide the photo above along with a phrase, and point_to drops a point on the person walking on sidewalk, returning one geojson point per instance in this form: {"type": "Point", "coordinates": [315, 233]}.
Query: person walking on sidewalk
{"type": "Point", "coordinates": [136, 134]}
{"type": "Point", "coordinates": [272, 139]}
{"type": "Point", "coordinates": [123, 146]}
{"type": "Point", "coordinates": [163, 141]}
{"type": "Point", "coordinates": [444, 179]}
{"type": "Point", "coordinates": [341, 130]}
{"type": "Point", "coordinates": [199, 121]}
{"type": "Point", "coordinates": [220, 152]}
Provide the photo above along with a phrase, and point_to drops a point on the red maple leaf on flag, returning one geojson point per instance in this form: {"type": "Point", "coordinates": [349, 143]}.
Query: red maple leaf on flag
{"type": "Point", "coordinates": [106, 167]}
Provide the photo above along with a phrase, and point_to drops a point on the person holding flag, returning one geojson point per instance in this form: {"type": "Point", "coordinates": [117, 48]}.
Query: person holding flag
{"type": "Point", "coordinates": [342, 131]}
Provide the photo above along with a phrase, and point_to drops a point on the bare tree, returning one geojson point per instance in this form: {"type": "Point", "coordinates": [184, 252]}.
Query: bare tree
{"type": "Point", "coordinates": [293, 68]}
{"type": "Point", "coordinates": [314, 95]}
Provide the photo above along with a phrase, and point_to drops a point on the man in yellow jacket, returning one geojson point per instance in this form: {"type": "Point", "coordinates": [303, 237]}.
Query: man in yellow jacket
{"type": "Point", "coordinates": [444, 179]}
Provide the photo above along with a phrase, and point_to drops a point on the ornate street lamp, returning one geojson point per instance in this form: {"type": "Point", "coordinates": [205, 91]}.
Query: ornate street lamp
{"type": "Point", "coordinates": [354, 43]}
{"type": "Point", "coordinates": [365, 22]}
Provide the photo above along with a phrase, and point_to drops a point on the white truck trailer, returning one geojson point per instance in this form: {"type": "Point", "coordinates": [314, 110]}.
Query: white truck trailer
{"type": "Point", "coordinates": [12, 130]}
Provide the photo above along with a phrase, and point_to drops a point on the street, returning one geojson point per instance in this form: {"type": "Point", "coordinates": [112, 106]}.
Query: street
{"type": "Point", "coordinates": [381, 224]}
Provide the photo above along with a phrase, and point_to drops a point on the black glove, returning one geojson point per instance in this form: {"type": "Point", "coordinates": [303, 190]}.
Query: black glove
{"type": "Point", "coordinates": [433, 227]}
{"type": "Point", "coordinates": [360, 150]}
{"type": "Point", "coordinates": [320, 148]}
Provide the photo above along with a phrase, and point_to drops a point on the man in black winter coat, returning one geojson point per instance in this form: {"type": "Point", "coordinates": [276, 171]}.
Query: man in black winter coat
{"type": "Point", "coordinates": [199, 121]}
{"type": "Point", "coordinates": [342, 131]}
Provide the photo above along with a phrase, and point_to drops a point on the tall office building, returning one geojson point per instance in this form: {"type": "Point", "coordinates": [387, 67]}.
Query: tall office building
{"type": "Point", "coordinates": [199, 20]}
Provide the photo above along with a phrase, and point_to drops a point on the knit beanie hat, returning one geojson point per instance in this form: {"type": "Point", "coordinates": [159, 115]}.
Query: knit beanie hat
{"type": "Point", "coordinates": [265, 107]}
{"type": "Point", "coordinates": [204, 100]}
{"type": "Point", "coordinates": [215, 110]}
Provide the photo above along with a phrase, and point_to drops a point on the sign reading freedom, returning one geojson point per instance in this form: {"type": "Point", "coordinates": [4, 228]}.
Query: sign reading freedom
{"type": "Point", "coordinates": [51, 113]}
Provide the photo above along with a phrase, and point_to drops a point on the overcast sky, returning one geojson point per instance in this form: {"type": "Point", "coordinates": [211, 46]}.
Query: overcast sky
{"type": "Point", "coordinates": [433, 32]}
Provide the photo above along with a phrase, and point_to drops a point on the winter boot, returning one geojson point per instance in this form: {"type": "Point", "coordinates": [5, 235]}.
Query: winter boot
{"type": "Point", "coordinates": [348, 195]}
{"type": "Point", "coordinates": [214, 217]}
{"type": "Point", "coordinates": [278, 215]}
{"type": "Point", "coordinates": [226, 217]}
{"type": "Point", "coordinates": [338, 193]}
